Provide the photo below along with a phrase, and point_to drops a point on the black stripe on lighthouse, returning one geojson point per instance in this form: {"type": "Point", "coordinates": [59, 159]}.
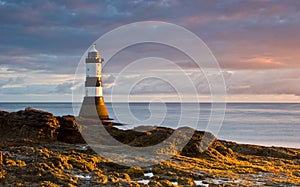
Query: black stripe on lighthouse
{"type": "Point", "coordinates": [93, 82]}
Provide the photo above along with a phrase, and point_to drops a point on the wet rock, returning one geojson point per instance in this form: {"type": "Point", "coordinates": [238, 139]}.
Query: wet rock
{"type": "Point", "coordinates": [154, 183]}
{"type": "Point", "coordinates": [1, 158]}
{"type": "Point", "coordinates": [2, 173]}
{"type": "Point", "coordinates": [167, 175]}
{"type": "Point", "coordinates": [126, 177]}
{"type": "Point", "coordinates": [186, 181]}
{"type": "Point", "coordinates": [134, 172]}
{"type": "Point", "coordinates": [157, 169]}
{"type": "Point", "coordinates": [55, 163]}
{"type": "Point", "coordinates": [101, 179]}
{"type": "Point", "coordinates": [166, 183]}
{"type": "Point", "coordinates": [296, 173]}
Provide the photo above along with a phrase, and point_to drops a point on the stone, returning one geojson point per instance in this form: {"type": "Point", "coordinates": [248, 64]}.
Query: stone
{"type": "Point", "coordinates": [3, 118]}
{"type": "Point", "coordinates": [186, 181]}
{"type": "Point", "coordinates": [69, 130]}
{"type": "Point", "coordinates": [1, 158]}
{"type": "Point", "coordinates": [30, 124]}
{"type": "Point", "coordinates": [199, 142]}
{"type": "Point", "coordinates": [135, 172]}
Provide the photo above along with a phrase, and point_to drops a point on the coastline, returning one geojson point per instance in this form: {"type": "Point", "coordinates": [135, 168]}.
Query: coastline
{"type": "Point", "coordinates": [277, 124]}
{"type": "Point", "coordinates": [38, 148]}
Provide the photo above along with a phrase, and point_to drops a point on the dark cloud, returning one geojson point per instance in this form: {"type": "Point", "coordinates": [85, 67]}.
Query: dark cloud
{"type": "Point", "coordinates": [62, 27]}
{"type": "Point", "coordinates": [51, 36]}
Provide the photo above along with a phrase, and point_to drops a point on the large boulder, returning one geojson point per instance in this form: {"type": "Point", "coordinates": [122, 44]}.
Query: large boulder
{"type": "Point", "coordinates": [30, 124]}
{"type": "Point", "coordinates": [198, 144]}
{"type": "Point", "coordinates": [69, 130]}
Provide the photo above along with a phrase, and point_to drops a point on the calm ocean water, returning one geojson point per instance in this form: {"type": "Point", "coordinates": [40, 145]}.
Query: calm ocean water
{"type": "Point", "coordinates": [255, 123]}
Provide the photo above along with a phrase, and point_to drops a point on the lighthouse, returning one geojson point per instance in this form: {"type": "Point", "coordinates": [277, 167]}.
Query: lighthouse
{"type": "Point", "coordinates": [93, 103]}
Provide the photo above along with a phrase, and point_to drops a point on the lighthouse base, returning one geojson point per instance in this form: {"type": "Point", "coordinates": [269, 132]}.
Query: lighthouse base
{"type": "Point", "coordinates": [93, 107]}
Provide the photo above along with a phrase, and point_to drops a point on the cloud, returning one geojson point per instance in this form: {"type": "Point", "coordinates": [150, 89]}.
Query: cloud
{"type": "Point", "coordinates": [264, 82]}
{"type": "Point", "coordinates": [153, 86]}
{"type": "Point", "coordinates": [7, 82]}
{"type": "Point", "coordinates": [42, 42]}
{"type": "Point", "coordinates": [64, 88]}
{"type": "Point", "coordinates": [63, 28]}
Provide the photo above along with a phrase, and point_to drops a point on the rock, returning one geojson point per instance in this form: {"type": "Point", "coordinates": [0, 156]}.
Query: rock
{"type": "Point", "coordinates": [65, 164]}
{"type": "Point", "coordinates": [296, 173]}
{"type": "Point", "coordinates": [2, 173]}
{"type": "Point", "coordinates": [102, 179]}
{"type": "Point", "coordinates": [223, 150]}
{"type": "Point", "coordinates": [166, 183]}
{"type": "Point", "coordinates": [154, 183]}
{"type": "Point", "coordinates": [153, 137]}
{"type": "Point", "coordinates": [198, 144]}
{"type": "Point", "coordinates": [276, 152]}
{"type": "Point", "coordinates": [29, 124]}
{"type": "Point", "coordinates": [29, 109]}
{"type": "Point", "coordinates": [134, 172]}
{"type": "Point", "coordinates": [186, 181]}
{"type": "Point", "coordinates": [69, 131]}
{"type": "Point", "coordinates": [3, 118]}
{"type": "Point", "coordinates": [126, 177]}
{"type": "Point", "coordinates": [1, 158]}
{"type": "Point", "coordinates": [157, 169]}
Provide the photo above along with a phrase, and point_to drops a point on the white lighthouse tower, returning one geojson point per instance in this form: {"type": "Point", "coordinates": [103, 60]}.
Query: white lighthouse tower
{"type": "Point", "coordinates": [93, 103]}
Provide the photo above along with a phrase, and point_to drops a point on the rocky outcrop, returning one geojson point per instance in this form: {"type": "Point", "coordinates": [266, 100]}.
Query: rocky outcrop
{"type": "Point", "coordinates": [37, 125]}
{"type": "Point", "coordinates": [3, 118]}
{"type": "Point", "coordinates": [199, 142]}
{"type": "Point", "coordinates": [61, 160]}
{"type": "Point", "coordinates": [69, 130]}
{"type": "Point", "coordinates": [29, 124]}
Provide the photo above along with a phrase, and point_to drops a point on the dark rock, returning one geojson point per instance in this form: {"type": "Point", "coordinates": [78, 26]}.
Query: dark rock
{"type": "Point", "coordinates": [134, 172]}
{"type": "Point", "coordinates": [153, 137]}
{"type": "Point", "coordinates": [186, 181]}
{"type": "Point", "coordinates": [112, 165]}
{"type": "Point", "coordinates": [3, 118]}
{"type": "Point", "coordinates": [30, 124]}
{"type": "Point", "coordinates": [199, 142]}
{"type": "Point", "coordinates": [123, 136]}
{"type": "Point", "coordinates": [276, 152]}
{"type": "Point", "coordinates": [1, 158]}
{"type": "Point", "coordinates": [165, 183]}
{"type": "Point", "coordinates": [65, 164]}
{"type": "Point", "coordinates": [154, 183]}
{"type": "Point", "coordinates": [69, 130]}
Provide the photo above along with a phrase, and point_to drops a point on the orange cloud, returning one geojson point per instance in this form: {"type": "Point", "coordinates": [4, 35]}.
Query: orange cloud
{"type": "Point", "coordinates": [263, 60]}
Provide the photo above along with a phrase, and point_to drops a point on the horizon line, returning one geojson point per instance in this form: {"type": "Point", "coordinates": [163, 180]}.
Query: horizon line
{"type": "Point", "coordinates": [230, 102]}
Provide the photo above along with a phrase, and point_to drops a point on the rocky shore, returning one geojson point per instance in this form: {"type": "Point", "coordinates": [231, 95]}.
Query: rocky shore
{"type": "Point", "coordinates": [40, 149]}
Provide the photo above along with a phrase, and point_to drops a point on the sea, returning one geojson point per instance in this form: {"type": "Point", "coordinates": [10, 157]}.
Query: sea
{"type": "Point", "coordinates": [269, 124]}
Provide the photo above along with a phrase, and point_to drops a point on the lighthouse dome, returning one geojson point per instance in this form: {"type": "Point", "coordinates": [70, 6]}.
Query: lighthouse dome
{"type": "Point", "coordinates": [93, 53]}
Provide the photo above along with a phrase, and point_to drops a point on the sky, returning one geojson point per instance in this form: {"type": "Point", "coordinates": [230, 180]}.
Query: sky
{"type": "Point", "coordinates": [256, 44]}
